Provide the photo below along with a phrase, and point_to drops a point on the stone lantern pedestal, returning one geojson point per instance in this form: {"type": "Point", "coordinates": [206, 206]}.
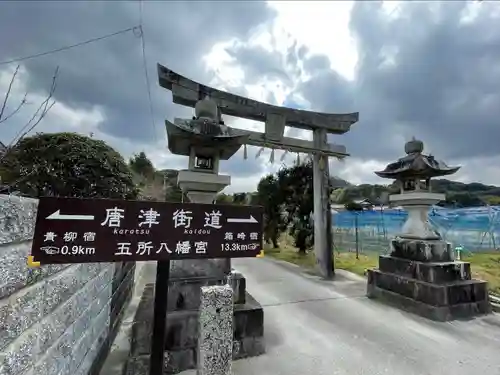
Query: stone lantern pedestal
{"type": "Point", "coordinates": [421, 274]}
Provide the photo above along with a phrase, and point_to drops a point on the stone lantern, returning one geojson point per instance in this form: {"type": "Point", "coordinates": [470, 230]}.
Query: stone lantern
{"type": "Point", "coordinates": [206, 140]}
{"type": "Point", "coordinates": [421, 274]}
{"type": "Point", "coordinates": [413, 174]}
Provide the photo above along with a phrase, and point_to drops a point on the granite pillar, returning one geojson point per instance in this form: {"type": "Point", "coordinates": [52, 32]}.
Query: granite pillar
{"type": "Point", "coordinates": [215, 342]}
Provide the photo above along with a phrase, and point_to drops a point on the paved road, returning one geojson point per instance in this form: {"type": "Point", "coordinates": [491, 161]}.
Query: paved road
{"type": "Point", "coordinates": [317, 327]}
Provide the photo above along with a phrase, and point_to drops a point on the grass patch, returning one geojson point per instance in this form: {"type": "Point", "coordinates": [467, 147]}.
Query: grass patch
{"type": "Point", "coordinates": [291, 255]}
{"type": "Point", "coordinates": [485, 266]}
{"type": "Point", "coordinates": [342, 260]}
{"type": "Point", "coordinates": [347, 261]}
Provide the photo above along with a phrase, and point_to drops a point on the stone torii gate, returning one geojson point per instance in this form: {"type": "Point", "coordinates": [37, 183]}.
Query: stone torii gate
{"type": "Point", "coordinates": [187, 92]}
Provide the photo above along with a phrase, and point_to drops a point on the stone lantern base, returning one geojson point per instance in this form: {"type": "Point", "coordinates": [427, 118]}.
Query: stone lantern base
{"type": "Point", "coordinates": [422, 277]}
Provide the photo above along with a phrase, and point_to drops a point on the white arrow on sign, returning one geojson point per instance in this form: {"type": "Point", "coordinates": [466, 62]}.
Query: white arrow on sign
{"type": "Point", "coordinates": [58, 216]}
{"type": "Point", "coordinates": [250, 220]}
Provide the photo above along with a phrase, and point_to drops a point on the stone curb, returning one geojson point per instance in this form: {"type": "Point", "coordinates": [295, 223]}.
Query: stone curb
{"type": "Point", "coordinates": [495, 302]}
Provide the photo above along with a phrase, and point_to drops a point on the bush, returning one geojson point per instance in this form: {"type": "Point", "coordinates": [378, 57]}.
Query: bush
{"type": "Point", "coordinates": [66, 165]}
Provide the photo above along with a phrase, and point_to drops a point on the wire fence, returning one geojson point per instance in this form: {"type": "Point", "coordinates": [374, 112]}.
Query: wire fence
{"type": "Point", "coordinates": [471, 229]}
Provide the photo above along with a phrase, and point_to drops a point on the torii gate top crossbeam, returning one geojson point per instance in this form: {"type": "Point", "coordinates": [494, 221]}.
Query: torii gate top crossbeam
{"type": "Point", "coordinates": [187, 92]}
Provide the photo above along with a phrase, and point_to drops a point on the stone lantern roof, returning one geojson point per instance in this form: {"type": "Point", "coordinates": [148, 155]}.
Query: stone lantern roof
{"type": "Point", "coordinates": [206, 132]}
{"type": "Point", "coordinates": [416, 165]}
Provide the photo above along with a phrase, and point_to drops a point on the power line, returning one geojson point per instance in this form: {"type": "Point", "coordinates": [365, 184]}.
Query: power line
{"type": "Point", "coordinates": [134, 29]}
{"type": "Point", "coordinates": [140, 12]}
{"type": "Point", "coordinates": [137, 31]}
{"type": "Point", "coordinates": [145, 65]}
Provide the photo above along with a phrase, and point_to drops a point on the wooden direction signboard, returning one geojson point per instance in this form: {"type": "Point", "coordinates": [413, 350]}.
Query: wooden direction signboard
{"type": "Point", "coordinates": [71, 230]}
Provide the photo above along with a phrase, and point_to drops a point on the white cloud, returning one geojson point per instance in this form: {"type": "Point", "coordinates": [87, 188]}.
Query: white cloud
{"type": "Point", "coordinates": [241, 185]}
{"type": "Point", "coordinates": [227, 73]}
{"type": "Point", "coordinates": [60, 117]}
{"type": "Point", "coordinates": [485, 170]}
{"type": "Point", "coordinates": [358, 171]}
{"type": "Point", "coordinates": [322, 26]}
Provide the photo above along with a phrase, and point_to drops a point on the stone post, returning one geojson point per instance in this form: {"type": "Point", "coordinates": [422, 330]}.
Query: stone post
{"type": "Point", "coordinates": [323, 244]}
{"type": "Point", "coordinates": [215, 342]}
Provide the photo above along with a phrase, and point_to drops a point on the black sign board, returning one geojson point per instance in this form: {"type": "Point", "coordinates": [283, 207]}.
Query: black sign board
{"type": "Point", "coordinates": [71, 230]}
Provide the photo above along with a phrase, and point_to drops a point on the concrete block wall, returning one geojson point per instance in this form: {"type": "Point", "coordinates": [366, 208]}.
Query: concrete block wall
{"type": "Point", "coordinates": [55, 319]}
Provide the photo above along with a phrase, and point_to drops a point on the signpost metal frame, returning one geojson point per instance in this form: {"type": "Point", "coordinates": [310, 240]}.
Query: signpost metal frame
{"type": "Point", "coordinates": [157, 359]}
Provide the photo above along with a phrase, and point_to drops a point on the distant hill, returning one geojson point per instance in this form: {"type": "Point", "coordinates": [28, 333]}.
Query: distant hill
{"type": "Point", "coordinates": [337, 182]}
{"type": "Point", "coordinates": [458, 194]}
{"type": "Point", "coordinates": [171, 181]}
{"type": "Point", "coordinates": [471, 194]}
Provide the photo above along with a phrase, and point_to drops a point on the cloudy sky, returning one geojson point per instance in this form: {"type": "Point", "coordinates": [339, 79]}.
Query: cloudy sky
{"type": "Point", "coordinates": [429, 70]}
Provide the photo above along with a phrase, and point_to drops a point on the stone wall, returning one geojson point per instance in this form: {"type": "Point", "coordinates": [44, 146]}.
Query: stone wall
{"type": "Point", "coordinates": [55, 319]}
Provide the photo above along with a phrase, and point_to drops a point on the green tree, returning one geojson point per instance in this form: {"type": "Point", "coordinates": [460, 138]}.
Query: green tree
{"type": "Point", "coordinates": [296, 186]}
{"type": "Point", "coordinates": [173, 191]}
{"type": "Point", "coordinates": [287, 198]}
{"type": "Point", "coordinates": [253, 199]}
{"type": "Point", "coordinates": [270, 197]}
{"type": "Point", "coordinates": [464, 199]}
{"type": "Point", "coordinates": [223, 199]}
{"type": "Point", "coordinates": [141, 165]}
{"type": "Point", "coordinates": [337, 195]}
{"type": "Point", "coordinates": [174, 194]}
{"type": "Point", "coordinates": [239, 198]}
{"type": "Point", "coordinates": [66, 165]}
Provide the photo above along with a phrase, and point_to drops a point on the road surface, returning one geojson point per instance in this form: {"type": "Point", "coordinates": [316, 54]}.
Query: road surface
{"type": "Point", "coordinates": [318, 327]}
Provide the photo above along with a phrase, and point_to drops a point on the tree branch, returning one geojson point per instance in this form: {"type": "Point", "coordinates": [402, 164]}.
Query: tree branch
{"type": "Point", "coordinates": [44, 107]}
{"type": "Point", "coordinates": [7, 94]}
{"type": "Point", "coordinates": [44, 112]}
{"type": "Point", "coordinates": [23, 102]}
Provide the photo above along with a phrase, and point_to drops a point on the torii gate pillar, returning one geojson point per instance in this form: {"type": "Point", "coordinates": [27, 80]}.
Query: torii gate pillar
{"type": "Point", "coordinates": [323, 240]}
